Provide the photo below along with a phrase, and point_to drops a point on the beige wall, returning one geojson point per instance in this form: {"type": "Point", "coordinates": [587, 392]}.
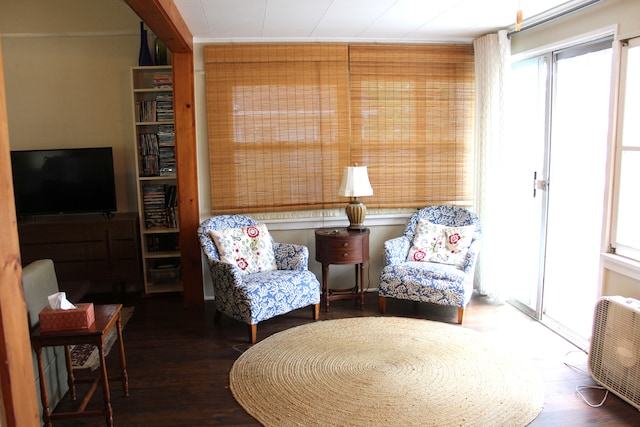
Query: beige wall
{"type": "Point", "coordinates": [67, 68]}
{"type": "Point", "coordinates": [624, 15]}
{"type": "Point", "coordinates": [618, 284]}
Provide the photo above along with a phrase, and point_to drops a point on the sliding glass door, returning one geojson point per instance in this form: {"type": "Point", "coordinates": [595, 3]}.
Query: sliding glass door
{"type": "Point", "coordinates": [566, 146]}
{"type": "Point", "coordinates": [527, 167]}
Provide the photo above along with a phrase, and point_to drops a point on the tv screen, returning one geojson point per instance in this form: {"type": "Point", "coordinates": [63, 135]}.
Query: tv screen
{"type": "Point", "coordinates": [70, 180]}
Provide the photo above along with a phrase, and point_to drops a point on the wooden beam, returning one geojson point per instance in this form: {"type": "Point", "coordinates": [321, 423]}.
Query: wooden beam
{"type": "Point", "coordinates": [187, 177]}
{"type": "Point", "coordinates": [164, 19]}
{"type": "Point", "coordinates": [19, 404]}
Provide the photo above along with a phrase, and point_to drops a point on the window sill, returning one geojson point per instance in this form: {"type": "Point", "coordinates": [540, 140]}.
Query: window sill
{"type": "Point", "coordinates": [622, 265]}
{"type": "Point", "coordinates": [371, 220]}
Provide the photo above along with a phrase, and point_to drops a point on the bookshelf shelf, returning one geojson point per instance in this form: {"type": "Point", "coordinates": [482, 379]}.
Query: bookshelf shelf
{"type": "Point", "coordinates": [154, 146]}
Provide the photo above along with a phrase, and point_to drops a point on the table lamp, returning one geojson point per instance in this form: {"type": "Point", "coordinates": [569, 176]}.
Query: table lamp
{"type": "Point", "coordinates": [355, 183]}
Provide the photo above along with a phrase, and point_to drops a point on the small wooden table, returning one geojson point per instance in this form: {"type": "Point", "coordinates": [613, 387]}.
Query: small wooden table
{"type": "Point", "coordinates": [107, 317]}
{"type": "Point", "coordinates": [342, 246]}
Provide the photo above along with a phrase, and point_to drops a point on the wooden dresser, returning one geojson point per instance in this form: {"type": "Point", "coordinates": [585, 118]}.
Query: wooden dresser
{"type": "Point", "coordinates": [88, 247]}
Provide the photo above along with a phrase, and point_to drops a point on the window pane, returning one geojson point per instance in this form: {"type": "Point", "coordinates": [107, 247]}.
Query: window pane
{"type": "Point", "coordinates": [631, 124]}
{"type": "Point", "coordinates": [628, 232]}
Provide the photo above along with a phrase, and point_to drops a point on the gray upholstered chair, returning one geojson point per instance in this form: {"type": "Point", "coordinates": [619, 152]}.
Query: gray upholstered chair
{"type": "Point", "coordinates": [39, 280]}
{"type": "Point", "coordinates": [433, 275]}
{"type": "Point", "coordinates": [257, 296]}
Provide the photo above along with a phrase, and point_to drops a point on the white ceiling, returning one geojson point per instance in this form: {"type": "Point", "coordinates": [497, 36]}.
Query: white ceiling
{"type": "Point", "coordinates": [422, 21]}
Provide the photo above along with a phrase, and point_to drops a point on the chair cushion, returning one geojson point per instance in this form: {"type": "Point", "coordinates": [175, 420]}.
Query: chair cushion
{"type": "Point", "coordinates": [440, 244]}
{"type": "Point", "coordinates": [261, 296]}
{"type": "Point", "coordinates": [249, 248]}
{"type": "Point", "coordinates": [426, 282]}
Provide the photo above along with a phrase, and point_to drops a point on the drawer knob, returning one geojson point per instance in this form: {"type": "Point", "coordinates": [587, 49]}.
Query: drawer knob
{"type": "Point", "coordinates": [345, 244]}
{"type": "Point", "coordinates": [346, 254]}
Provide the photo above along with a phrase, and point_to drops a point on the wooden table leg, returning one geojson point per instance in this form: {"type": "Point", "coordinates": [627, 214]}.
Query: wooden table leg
{"type": "Point", "coordinates": [325, 285]}
{"type": "Point", "coordinates": [361, 268]}
{"type": "Point", "coordinates": [123, 361]}
{"type": "Point", "coordinates": [71, 381]}
{"type": "Point", "coordinates": [108, 411]}
{"type": "Point", "coordinates": [46, 412]}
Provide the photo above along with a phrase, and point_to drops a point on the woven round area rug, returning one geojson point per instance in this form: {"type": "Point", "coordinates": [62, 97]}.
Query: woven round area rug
{"type": "Point", "coordinates": [385, 371]}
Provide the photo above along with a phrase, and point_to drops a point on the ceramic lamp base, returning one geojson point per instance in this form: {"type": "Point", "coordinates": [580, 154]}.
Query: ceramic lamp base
{"type": "Point", "coordinates": [356, 211]}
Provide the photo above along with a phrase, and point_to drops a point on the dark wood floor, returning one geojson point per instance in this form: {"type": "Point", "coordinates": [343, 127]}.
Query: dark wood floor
{"type": "Point", "coordinates": [178, 363]}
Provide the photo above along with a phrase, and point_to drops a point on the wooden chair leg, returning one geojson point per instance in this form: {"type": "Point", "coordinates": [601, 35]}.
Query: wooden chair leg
{"type": "Point", "coordinates": [383, 304]}
{"type": "Point", "coordinates": [253, 333]}
{"type": "Point", "coordinates": [316, 311]}
{"type": "Point", "coordinates": [216, 316]}
{"type": "Point", "coordinates": [460, 315]}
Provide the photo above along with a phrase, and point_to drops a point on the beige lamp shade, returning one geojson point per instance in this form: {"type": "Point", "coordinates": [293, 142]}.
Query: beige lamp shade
{"type": "Point", "coordinates": [355, 183]}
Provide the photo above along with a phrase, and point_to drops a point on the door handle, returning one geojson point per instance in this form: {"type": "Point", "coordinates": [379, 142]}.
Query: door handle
{"type": "Point", "coordinates": [539, 184]}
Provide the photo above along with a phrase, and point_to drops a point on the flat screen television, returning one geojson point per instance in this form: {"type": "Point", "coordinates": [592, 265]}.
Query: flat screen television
{"type": "Point", "coordinates": [62, 181]}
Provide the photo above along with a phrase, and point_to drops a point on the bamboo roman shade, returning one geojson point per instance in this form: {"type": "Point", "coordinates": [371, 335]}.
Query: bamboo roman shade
{"type": "Point", "coordinates": [284, 120]}
{"type": "Point", "coordinates": [412, 122]}
{"type": "Point", "coordinates": [278, 119]}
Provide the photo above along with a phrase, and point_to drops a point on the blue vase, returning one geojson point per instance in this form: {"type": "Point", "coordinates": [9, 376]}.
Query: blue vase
{"type": "Point", "coordinates": [144, 57]}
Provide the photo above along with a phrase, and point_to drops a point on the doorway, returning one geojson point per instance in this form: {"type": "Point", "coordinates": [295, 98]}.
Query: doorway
{"type": "Point", "coordinates": [562, 122]}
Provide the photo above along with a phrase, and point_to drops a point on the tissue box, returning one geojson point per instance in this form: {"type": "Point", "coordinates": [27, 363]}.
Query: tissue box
{"type": "Point", "coordinates": [80, 317]}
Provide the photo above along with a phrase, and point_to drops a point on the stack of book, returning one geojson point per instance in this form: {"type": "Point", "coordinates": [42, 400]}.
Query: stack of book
{"type": "Point", "coordinates": [172, 205]}
{"type": "Point", "coordinates": [154, 204]}
{"type": "Point", "coordinates": [150, 154]}
{"type": "Point", "coordinates": [164, 107]}
{"type": "Point", "coordinates": [162, 80]}
{"type": "Point", "coordinates": [166, 150]}
{"type": "Point", "coordinates": [160, 204]}
{"type": "Point", "coordinates": [167, 242]}
{"type": "Point", "coordinates": [145, 111]}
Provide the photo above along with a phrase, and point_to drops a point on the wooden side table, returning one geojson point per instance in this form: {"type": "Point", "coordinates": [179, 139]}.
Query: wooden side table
{"type": "Point", "coordinates": [107, 317]}
{"type": "Point", "coordinates": [342, 246]}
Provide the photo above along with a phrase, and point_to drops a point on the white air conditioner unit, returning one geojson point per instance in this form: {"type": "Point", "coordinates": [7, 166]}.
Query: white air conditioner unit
{"type": "Point", "coordinates": [614, 355]}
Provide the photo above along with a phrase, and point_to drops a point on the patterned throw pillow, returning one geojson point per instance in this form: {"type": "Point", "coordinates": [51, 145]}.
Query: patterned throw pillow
{"type": "Point", "coordinates": [248, 248]}
{"type": "Point", "coordinates": [439, 243]}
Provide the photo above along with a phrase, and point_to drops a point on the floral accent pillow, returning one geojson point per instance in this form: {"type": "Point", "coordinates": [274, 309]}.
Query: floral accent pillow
{"type": "Point", "coordinates": [249, 248]}
{"type": "Point", "coordinates": [439, 243]}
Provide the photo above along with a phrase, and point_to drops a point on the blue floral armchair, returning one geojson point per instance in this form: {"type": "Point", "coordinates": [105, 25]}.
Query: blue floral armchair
{"type": "Point", "coordinates": [252, 298]}
{"type": "Point", "coordinates": [432, 282]}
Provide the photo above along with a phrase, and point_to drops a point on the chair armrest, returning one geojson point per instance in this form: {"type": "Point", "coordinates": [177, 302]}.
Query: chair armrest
{"type": "Point", "coordinates": [39, 280]}
{"type": "Point", "coordinates": [471, 257]}
{"type": "Point", "coordinates": [224, 274]}
{"type": "Point", "coordinates": [396, 250]}
{"type": "Point", "coordinates": [290, 256]}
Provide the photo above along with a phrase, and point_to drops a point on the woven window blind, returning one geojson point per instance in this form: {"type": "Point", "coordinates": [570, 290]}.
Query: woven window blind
{"type": "Point", "coordinates": [412, 113]}
{"type": "Point", "coordinates": [278, 125]}
{"type": "Point", "coordinates": [284, 120]}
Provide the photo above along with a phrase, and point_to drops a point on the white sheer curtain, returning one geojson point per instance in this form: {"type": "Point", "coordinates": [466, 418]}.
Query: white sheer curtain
{"type": "Point", "coordinates": [492, 68]}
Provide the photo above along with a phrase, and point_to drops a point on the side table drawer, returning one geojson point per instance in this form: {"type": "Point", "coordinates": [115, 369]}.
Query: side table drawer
{"type": "Point", "coordinates": [341, 247]}
{"type": "Point", "coordinates": [343, 251]}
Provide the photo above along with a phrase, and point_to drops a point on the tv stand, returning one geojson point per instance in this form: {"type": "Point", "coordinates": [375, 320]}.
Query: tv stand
{"type": "Point", "coordinates": [85, 247]}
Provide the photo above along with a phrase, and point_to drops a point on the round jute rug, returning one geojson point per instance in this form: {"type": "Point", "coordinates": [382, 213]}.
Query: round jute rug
{"type": "Point", "coordinates": [385, 371]}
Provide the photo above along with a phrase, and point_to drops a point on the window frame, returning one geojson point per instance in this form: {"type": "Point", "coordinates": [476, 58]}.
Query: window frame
{"type": "Point", "coordinates": [615, 246]}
